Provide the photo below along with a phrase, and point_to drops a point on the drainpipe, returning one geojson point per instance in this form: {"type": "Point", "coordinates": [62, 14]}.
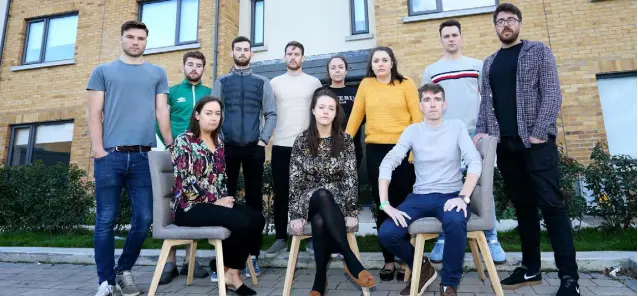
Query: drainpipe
{"type": "Point", "coordinates": [4, 30]}
{"type": "Point", "coordinates": [216, 41]}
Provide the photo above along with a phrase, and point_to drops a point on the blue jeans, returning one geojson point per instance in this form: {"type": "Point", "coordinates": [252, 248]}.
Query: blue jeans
{"type": "Point", "coordinates": [490, 235]}
{"type": "Point", "coordinates": [112, 172]}
{"type": "Point", "coordinates": [418, 206]}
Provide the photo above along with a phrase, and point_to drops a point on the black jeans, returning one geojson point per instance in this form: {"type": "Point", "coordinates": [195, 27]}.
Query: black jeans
{"type": "Point", "coordinates": [401, 185]}
{"type": "Point", "coordinates": [531, 180]}
{"type": "Point", "coordinates": [251, 159]}
{"type": "Point", "coordinates": [245, 224]}
{"type": "Point", "coordinates": [280, 163]}
{"type": "Point", "coordinates": [329, 233]}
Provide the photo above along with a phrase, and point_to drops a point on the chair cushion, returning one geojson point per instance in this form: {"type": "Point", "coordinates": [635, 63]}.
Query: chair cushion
{"type": "Point", "coordinates": [173, 231]}
{"type": "Point", "coordinates": [307, 229]}
{"type": "Point", "coordinates": [433, 225]}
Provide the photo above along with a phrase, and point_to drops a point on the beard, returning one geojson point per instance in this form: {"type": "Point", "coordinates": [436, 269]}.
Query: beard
{"type": "Point", "coordinates": [508, 40]}
{"type": "Point", "coordinates": [293, 68]}
{"type": "Point", "coordinates": [241, 63]}
{"type": "Point", "coordinates": [134, 55]}
{"type": "Point", "coordinates": [197, 78]}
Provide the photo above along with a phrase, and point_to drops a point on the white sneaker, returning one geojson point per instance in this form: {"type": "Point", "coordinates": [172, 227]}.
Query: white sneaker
{"type": "Point", "coordinates": [126, 284]}
{"type": "Point", "coordinates": [105, 289]}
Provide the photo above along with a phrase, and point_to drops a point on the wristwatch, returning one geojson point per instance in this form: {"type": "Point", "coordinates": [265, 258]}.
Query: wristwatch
{"type": "Point", "coordinates": [466, 199]}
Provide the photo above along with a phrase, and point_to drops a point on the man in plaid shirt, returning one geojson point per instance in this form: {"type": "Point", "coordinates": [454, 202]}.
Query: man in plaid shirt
{"type": "Point", "coordinates": [521, 99]}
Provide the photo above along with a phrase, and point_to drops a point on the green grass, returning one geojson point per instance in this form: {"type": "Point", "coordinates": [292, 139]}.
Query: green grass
{"type": "Point", "coordinates": [588, 239]}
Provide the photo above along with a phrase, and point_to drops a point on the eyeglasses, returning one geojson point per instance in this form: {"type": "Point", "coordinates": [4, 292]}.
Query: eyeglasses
{"type": "Point", "coordinates": [510, 21]}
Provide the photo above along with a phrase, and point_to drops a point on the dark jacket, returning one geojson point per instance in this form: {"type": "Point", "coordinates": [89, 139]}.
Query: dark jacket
{"type": "Point", "coordinates": [246, 96]}
{"type": "Point", "coordinates": [538, 96]}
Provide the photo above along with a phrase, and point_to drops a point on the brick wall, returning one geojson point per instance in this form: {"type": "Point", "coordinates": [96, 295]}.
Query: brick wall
{"type": "Point", "coordinates": [58, 93]}
{"type": "Point", "coordinates": [587, 38]}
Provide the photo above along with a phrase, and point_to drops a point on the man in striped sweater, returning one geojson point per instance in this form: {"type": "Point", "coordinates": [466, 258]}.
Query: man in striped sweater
{"type": "Point", "coordinates": [460, 76]}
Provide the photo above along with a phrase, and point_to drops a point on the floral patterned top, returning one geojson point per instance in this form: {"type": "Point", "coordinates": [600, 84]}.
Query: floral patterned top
{"type": "Point", "coordinates": [335, 174]}
{"type": "Point", "coordinates": [200, 175]}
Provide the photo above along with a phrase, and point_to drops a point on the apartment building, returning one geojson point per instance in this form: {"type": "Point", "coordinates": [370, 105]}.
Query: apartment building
{"type": "Point", "coordinates": [49, 48]}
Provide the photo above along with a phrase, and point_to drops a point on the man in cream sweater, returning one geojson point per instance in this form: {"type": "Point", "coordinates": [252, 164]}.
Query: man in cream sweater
{"type": "Point", "coordinates": [293, 94]}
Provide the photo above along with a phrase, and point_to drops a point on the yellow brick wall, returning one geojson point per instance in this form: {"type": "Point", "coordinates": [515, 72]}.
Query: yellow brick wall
{"type": "Point", "coordinates": [57, 93]}
{"type": "Point", "coordinates": [586, 37]}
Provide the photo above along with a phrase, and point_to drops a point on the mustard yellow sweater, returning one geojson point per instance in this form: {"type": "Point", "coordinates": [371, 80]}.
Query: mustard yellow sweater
{"type": "Point", "coordinates": [388, 110]}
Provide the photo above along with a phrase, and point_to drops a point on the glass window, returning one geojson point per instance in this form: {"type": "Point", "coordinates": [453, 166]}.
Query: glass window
{"type": "Point", "coordinates": [359, 16]}
{"type": "Point", "coordinates": [34, 42]}
{"type": "Point", "coordinates": [258, 23]}
{"type": "Point", "coordinates": [417, 7]}
{"type": "Point", "coordinates": [59, 44]}
{"type": "Point", "coordinates": [188, 21]}
{"type": "Point", "coordinates": [617, 95]}
{"type": "Point", "coordinates": [20, 146]}
{"type": "Point", "coordinates": [49, 143]}
{"type": "Point", "coordinates": [61, 38]}
{"type": "Point", "coordinates": [170, 22]}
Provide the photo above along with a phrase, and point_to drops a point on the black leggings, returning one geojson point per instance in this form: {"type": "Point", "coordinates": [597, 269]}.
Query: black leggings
{"type": "Point", "coordinates": [329, 234]}
{"type": "Point", "coordinates": [245, 224]}
{"type": "Point", "coordinates": [403, 179]}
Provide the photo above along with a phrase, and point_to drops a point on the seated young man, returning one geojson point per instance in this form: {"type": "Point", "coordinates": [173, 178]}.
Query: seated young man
{"type": "Point", "coordinates": [438, 147]}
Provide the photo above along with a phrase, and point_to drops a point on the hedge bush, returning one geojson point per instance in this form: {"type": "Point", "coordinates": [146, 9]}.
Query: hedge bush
{"type": "Point", "coordinates": [59, 198]}
{"type": "Point", "coordinates": [44, 198]}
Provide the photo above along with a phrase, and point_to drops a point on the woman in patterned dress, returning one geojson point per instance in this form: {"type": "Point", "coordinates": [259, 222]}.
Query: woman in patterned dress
{"type": "Point", "coordinates": [200, 197]}
{"type": "Point", "coordinates": [323, 188]}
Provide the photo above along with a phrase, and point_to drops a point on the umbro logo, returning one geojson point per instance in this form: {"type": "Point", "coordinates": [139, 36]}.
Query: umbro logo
{"type": "Point", "coordinates": [181, 100]}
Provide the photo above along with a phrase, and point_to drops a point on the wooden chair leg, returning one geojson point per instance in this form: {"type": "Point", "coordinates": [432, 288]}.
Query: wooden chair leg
{"type": "Point", "coordinates": [477, 259]}
{"type": "Point", "coordinates": [166, 248]}
{"type": "Point", "coordinates": [352, 241]}
{"type": "Point", "coordinates": [418, 260]}
{"type": "Point", "coordinates": [251, 269]}
{"type": "Point", "coordinates": [191, 263]}
{"type": "Point", "coordinates": [408, 271]}
{"type": "Point", "coordinates": [292, 263]}
{"type": "Point", "coordinates": [221, 276]}
{"type": "Point", "coordinates": [489, 263]}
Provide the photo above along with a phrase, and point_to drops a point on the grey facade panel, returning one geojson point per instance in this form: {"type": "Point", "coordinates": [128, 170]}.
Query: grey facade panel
{"type": "Point", "coordinates": [316, 65]}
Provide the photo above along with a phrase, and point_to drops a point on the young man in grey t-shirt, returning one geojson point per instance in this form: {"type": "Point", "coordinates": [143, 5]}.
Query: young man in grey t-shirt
{"type": "Point", "coordinates": [438, 147]}
{"type": "Point", "coordinates": [460, 76]}
{"type": "Point", "coordinates": [125, 98]}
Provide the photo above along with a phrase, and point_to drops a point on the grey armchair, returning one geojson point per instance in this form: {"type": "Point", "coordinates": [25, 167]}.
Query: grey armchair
{"type": "Point", "coordinates": [481, 219]}
{"type": "Point", "coordinates": [294, 253]}
{"type": "Point", "coordinates": [161, 168]}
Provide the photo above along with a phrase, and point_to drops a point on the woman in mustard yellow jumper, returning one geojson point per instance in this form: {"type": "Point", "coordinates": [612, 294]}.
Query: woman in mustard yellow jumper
{"type": "Point", "coordinates": [389, 102]}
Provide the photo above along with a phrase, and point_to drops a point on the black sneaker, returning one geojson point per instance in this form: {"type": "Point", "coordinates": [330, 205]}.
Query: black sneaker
{"type": "Point", "coordinates": [568, 287]}
{"type": "Point", "coordinates": [520, 278]}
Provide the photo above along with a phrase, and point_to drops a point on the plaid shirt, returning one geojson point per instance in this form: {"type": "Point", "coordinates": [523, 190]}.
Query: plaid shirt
{"type": "Point", "coordinates": [538, 96]}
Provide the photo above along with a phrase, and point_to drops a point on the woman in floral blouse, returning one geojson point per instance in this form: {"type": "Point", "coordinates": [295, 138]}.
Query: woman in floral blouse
{"type": "Point", "coordinates": [200, 194]}
{"type": "Point", "coordinates": [323, 188]}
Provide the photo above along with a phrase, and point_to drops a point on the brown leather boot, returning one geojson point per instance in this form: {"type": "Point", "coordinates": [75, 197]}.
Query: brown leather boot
{"type": "Point", "coordinates": [447, 291]}
{"type": "Point", "coordinates": [427, 277]}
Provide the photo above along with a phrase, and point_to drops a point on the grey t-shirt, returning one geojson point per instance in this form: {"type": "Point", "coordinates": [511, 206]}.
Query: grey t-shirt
{"type": "Point", "coordinates": [438, 151]}
{"type": "Point", "coordinates": [129, 101]}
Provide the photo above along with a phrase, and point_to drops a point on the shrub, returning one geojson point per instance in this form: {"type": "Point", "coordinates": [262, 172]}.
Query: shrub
{"type": "Point", "coordinates": [612, 180]}
{"type": "Point", "coordinates": [44, 198]}
{"type": "Point", "coordinates": [267, 193]}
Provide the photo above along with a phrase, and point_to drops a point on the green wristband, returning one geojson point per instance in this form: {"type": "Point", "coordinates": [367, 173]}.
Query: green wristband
{"type": "Point", "coordinates": [383, 205]}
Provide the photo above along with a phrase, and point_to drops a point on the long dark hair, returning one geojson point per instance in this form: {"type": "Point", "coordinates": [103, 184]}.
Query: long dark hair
{"type": "Point", "coordinates": [345, 63]}
{"type": "Point", "coordinates": [394, 72]}
{"type": "Point", "coordinates": [336, 132]}
{"type": "Point", "coordinates": [193, 125]}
